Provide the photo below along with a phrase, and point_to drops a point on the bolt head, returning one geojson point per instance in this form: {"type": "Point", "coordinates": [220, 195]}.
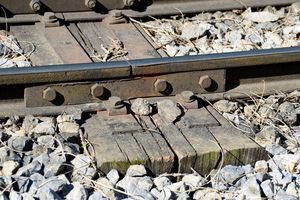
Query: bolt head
{"type": "Point", "coordinates": [129, 3]}
{"type": "Point", "coordinates": [49, 94]}
{"type": "Point", "coordinates": [116, 13]}
{"type": "Point", "coordinates": [160, 85]}
{"type": "Point", "coordinates": [36, 7]}
{"type": "Point", "coordinates": [205, 82]}
{"type": "Point", "coordinates": [50, 16]}
{"type": "Point", "coordinates": [187, 96]}
{"type": "Point", "coordinates": [90, 3]}
{"type": "Point", "coordinates": [115, 102]}
{"type": "Point", "coordinates": [97, 90]}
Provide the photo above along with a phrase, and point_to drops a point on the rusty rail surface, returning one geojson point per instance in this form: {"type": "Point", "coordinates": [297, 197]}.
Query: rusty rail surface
{"type": "Point", "coordinates": [208, 75]}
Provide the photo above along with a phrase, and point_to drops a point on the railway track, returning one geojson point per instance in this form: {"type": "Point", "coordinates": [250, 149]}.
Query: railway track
{"type": "Point", "coordinates": [90, 57]}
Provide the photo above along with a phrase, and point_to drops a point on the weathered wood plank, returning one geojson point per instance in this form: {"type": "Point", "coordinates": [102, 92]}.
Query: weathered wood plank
{"type": "Point", "coordinates": [185, 153]}
{"type": "Point", "coordinates": [218, 116]}
{"type": "Point", "coordinates": [43, 54]}
{"type": "Point", "coordinates": [94, 36]}
{"type": "Point", "coordinates": [65, 45]}
{"type": "Point", "coordinates": [133, 151]}
{"type": "Point", "coordinates": [160, 155]}
{"type": "Point", "coordinates": [107, 152]}
{"type": "Point", "coordinates": [197, 118]}
{"type": "Point", "coordinates": [193, 126]}
{"type": "Point", "coordinates": [134, 42]}
{"type": "Point", "coordinates": [238, 148]}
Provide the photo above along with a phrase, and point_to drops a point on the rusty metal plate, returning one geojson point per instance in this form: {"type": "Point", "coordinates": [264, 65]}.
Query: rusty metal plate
{"type": "Point", "coordinates": [77, 93]}
{"type": "Point", "coordinates": [23, 6]}
{"type": "Point", "coordinates": [143, 7]}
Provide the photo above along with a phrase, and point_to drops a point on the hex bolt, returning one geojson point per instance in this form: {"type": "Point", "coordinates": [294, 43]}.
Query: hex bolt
{"type": "Point", "coordinates": [160, 85]}
{"type": "Point", "coordinates": [205, 82]}
{"type": "Point", "coordinates": [129, 3]}
{"type": "Point", "coordinates": [187, 96]}
{"type": "Point", "coordinates": [97, 90]}
{"type": "Point", "coordinates": [49, 94]}
{"type": "Point", "coordinates": [50, 17]}
{"type": "Point", "coordinates": [115, 102]}
{"type": "Point", "coordinates": [90, 3]}
{"type": "Point", "coordinates": [35, 5]}
{"type": "Point", "coordinates": [116, 13]}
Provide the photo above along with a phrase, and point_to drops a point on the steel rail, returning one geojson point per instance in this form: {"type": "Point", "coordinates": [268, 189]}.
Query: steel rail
{"type": "Point", "coordinates": [146, 67]}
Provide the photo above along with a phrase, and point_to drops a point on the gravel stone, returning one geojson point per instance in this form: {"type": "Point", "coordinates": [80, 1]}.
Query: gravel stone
{"type": "Point", "coordinates": [251, 189]}
{"type": "Point", "coordinates": [14, 195]}
{"type": "Point", "coordinates": [113, 176]}
{"type": "Point", "coordinates": [141, 107]}
{"type": "Point", "coordinates": [144, 183]}
{"type": "Point", "coordinates": [193, 180]}
{"type": "Point", "coordinates": [226, 106]}
{"type": "Point", "coordinates": [3, 197]}
{"type": "Point", "coordinates": [268, 188]}
{"type": "Point", "coordinates": [20, 143]}
{"type": "Point", "coordinates": [104, 185]}
{"type": "Point", "coordinates": [47, 193]}
{"type": "Point", "coordinates": [260, 17]}
{"type": "Point", "coordinates": [78, 192]}
{"type": "Point", "coordinates": [231, 173]}
{"type": "Point", "coordinates": [28, 170]}
{"type": "Point", "coordinates": [96, 196]}
{"type": "Point", "coordinates": [207, 194]}
{"type": "Point", "coordinates": [132, 189]}
{"type": "Point", "coordinates": [55, 166]}
{"type": "Point", "coordinates": [168, 110]}
{"type": "Point", "coordinates": [161, 182]}
{"type": "Point", "coordinates": [291, 189]}
{"type": "Point", "coordinates": [284, 160]}
{"type": "Point", "coordinates": [267, 136]}
{"type": "Point", "coordinates": [176, 187]}
{"type": "Point", "coordinates": [295, 8]}
{"type": "Point", "coordinates": [47, 140]}
{"type": "Point", "coordinates": [10, 167]}
{"type": "Point", "coordinates": [69, 137]}
{"type": "Point", "coordinates": [166, 194]}
{"type": "Point", "coordinates": [282, 195]}
{"type": "Point", "coordinates": [68, 127]}
{"type": "Point", "coordinates": [65, 118]}
{"type": "Point", "coordinates": [261, 166]}
{"type": "Point", "coordinates": [7, 154]}
{"type": "Point", "coordinates": [43, 128]}
{"type": "Point", "coordinates": [59, 184]}
{"type": "Point", "coordinates": [191, 31]}
{"type": "Point", "coordinates": [29, 123]}
{"type": "Point", "coordinates": [27, 196]}
{"type": "Point", "coordinates": [288, 113]}
{"type": "Point", "coordinates": [276, 149]}
{"type": "Point", "coordinates": [136, 170]}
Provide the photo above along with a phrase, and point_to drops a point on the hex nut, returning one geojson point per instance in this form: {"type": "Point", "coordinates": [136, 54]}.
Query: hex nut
{"type": "Point", "coordinates": [129, 3]}
{"type": "Point", "coordinates": [116, 13]}
{"type": "Point", "coordinates": [50, 17]}
{"type": "Point", "coordinates": [160, 85]}
{"type": "Point", "coordinates": [49, 94]}
{"type": "Point", "coordinates": [97, 90]}
{"type": "Point", "coordinates": [90, 3]}
{"type": "Point", "coordinates": [205, 82]}
{"type": "Point", "coordinates": [187, 96]}
{"type": "Point", "coordinates": [35, 5]}
{"type": "Point", "coordinates": [115, 102]}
